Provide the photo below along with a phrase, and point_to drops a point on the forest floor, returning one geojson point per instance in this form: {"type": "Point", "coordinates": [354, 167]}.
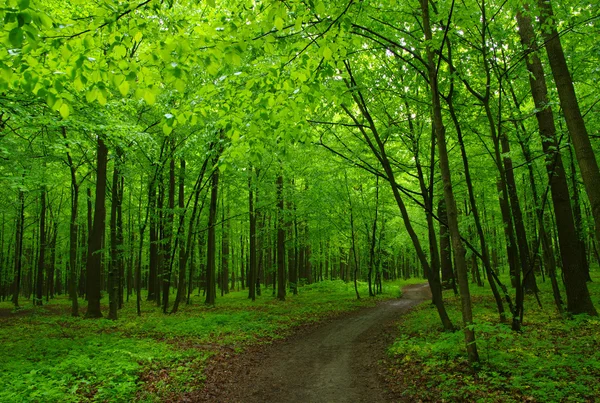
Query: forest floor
{"type": "Point", "coordinates": [338, 361]}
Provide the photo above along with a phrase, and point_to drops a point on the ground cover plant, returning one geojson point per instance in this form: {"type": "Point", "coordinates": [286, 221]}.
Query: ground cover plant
{"type": "Point", "coordinates": [550, 360]}
{"type": "Point", "coordinates": [50, 356]}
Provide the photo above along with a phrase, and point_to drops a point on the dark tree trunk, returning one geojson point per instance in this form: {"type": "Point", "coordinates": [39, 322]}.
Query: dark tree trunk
{"type": "Point", "coordinates": [39, 288]}
{"type": "Point", "coordinates": [19, 248]}
{"type": "Point", "coordinates": [445, 248]}
{"type": "Point", "coordinates": [251, 237]}
{"type": "Point", "coordinates": [211, 287]}
{"type": "Point", "coordinates": [588, 166]}
{"type": "Point", "coordinates": [113, 291]}
{"type": "Point", "coordinates": [373, 240]}
{"type": "Point", "coordinates": [242, 263]}
{"type": "Point", "coordinates": [225, 261]}
{"type": "Point", "coordinates": [94, 257]}
{"type": "Point", "coordinates": [168, 235]}
{"type": "Point", "coordinates": [491, 275]}
{"type": "Point", "coordinates": [120, 243]}
{"type": "Point", "coordinates": [73, 230]}
{"type": "Point", "coordinates": [183, 246]}
{"type": "Point", "coordinates": [458, 248]}
{"type": "Point", "coordinates": [572, 253]}
{"type": "Point", "coordinates": [153, 258]}
{"type": "Point", "coordinates": [280, 240]}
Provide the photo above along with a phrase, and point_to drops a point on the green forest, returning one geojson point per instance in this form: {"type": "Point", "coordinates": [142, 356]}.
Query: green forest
{"type": "Point", "coordinates": [198, 196]}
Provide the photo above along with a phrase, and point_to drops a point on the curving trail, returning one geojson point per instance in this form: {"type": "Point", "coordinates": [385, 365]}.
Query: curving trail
{"type": "Point", "coordinates": [334, 362]}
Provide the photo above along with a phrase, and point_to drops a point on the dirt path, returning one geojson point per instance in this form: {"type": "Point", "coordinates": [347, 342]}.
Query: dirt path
{"type": "Point", "coordinates": [335, 362]}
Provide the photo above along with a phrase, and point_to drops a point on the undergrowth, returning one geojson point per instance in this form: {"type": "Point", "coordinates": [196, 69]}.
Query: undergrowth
{"type": "Point", "coordinates": [551, 360]}
{"type": "Point", "coordinates": [49, 356]}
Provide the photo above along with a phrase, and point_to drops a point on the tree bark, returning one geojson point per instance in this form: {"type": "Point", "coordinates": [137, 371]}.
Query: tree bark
{"type": "Point", "coordinates": [280, 239]}
{"type": "Point", "coordinates": [588, 166]}
{"type": "Point", "coordinates": [251, 237]}
{"type": "Point", "coordinates": [19, 248]}
{"type": "Point", "coordinates": [459, 251]}
{"type": "Point", "coordinates": [211, 287]}
{"type": "Point", "coordinates": [94, 257]}
{"type": "Point", "coordinates": [39, 288]}
{"type": "Point", "coordinates": [578, 298]}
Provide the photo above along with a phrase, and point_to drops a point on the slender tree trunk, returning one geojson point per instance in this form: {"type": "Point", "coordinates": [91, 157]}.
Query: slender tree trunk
{"type": "Point", "coordinates": [94, 257]}
{"type": "Point", "coordinates": [39, 288]}
{"type": "Point", "coordinates": [251, 237]}
{"type": "Point", "coordinates": [211, 288]}
{"type": "Point", "coordinates": [373, 240]}
{"type": "Point", "coordinates": [491, 275]}
{"type": "Point", "coordinates": [19, 248]}
{"type": "Point", "coordinates": [113, 275]}
{"type": "Point", "coordinates": [280, 239]}
{"type": "Point", "coordinates": [183, 246]}
{"type": "Point", "coordinates": [153, 252]}
{"type": "Point", "coordinates": [459, 251]}
{"type": "Point", "coordinates": [167, 263]}
{"type": "Point", "coordinates": [225, 259]}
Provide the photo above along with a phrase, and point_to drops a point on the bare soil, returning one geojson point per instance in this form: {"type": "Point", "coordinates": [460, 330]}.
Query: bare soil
{"type": "Point", "coordinates": [338, 361]}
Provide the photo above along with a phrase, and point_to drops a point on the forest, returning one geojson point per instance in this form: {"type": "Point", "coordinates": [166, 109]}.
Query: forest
{"type": "Point", "coordinates": [184, 182]}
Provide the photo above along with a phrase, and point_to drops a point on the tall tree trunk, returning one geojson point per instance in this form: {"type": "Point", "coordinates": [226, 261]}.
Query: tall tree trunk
{"type": "Point", "coordinates": [373, 240]}
{"type": "Point", "coordinates": [491, 275]}
{"type": "Point", "coordinates": [183, 246]}
{"type": "Point", "coordinates": [572, 255]}
{"type": "Point", "coordinates": [225, 260]}
{"type": "Point", "coordinates": [120, 242]}
{"type": "Point", "coordinates": [445, 248]}
{"type": "Point", "coordinates": [73, 230]}
{"type": "Point", "coordinates": [153, 257]}
{"type": "Point", "coordinates": [280, 239]}
{"type": "Point", "coordinates": [168, 250]}
{"type": "Point", "coordinates": [459, 251]}
{"type": "Point", "coordinates": [588, 166]}
{"type": "Point", "coordinates": [113, 275]}
{"type": "Point", "coordinates": [39, 288]}
{"type": "Point", "coordinates": [211, 256]}
{"type": "Point", "coordinates": [251, 237]}
{"type": "Point", "coordinates": [19, 247]}
{"type": "Point", "coordinates": [94, 257]}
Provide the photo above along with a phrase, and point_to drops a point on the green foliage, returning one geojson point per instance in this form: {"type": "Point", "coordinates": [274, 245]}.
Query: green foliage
{"type": "Point", "coordinates": [552, 360]}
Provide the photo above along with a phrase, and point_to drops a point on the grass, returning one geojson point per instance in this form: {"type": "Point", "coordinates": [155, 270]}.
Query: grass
{"type": "Point", "coordinates": [552, 360]}
{"type": "Point", "coordinates": [49, 356]}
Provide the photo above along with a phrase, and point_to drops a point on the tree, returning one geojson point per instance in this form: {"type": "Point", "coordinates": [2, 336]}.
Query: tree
{"type": "Point", "coordinates": [94, 254]}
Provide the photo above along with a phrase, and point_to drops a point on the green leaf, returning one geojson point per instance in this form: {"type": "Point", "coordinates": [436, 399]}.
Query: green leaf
{"type": "Point", "coordinates": [119, 51]}
{"type": "Point", "coordinates": [15, 36]}
{"type": "Point", "coordinates": [149, 97]}
{"type": "Point", "coordinates": [320, 8]}
{"type": "Point", "coordinates": [124, 88]}
{"type": "Point", "coordinates": [278, 23]}
{"type": "Point", "coordinates": [64, 110]}
{"type": "Point", "coordinates": [327, 53]}
{"type": "Point", "coordinates": [23, 4]}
